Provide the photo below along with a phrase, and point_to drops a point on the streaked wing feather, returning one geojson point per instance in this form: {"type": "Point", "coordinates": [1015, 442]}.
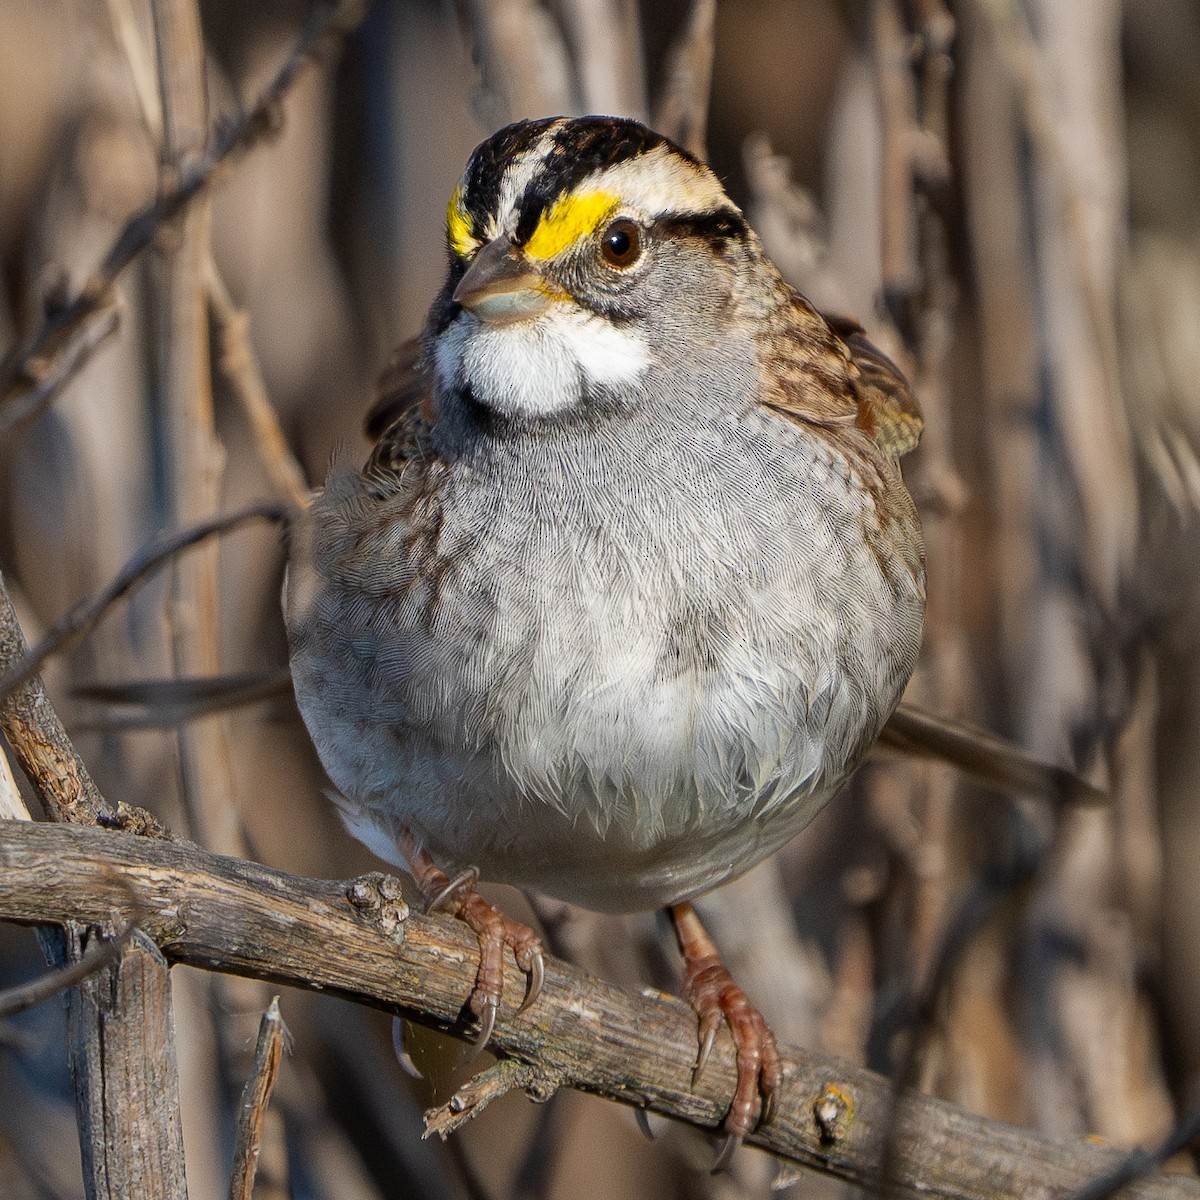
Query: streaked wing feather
{"type": "Point", "coordinates": [399, 420]}
{"type": "Point", "coordinates": [825, 371]}
{"type": "Point", "coordinates": [888, 410]}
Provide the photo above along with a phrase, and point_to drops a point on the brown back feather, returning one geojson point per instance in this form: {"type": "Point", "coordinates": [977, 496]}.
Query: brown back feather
{"type": "Point", "coordinates": [824, 371]}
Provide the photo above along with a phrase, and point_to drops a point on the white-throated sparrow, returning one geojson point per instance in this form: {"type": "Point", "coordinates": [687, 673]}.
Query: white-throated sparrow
{"type": "Point", "coordinates": [625, 593]}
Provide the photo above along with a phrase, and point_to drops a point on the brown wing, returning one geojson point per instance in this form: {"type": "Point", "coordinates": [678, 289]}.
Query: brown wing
{"type": "Point", "coordinates": [887, 408]}
{"type": "Point", "coordinates": [398, 421]}
{"type": "Point", "coordinates": [825, 371]}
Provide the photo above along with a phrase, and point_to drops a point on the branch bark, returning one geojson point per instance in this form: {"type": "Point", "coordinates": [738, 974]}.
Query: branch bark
{"type": "Point", "coordinates": [359, 941]}
{"type": "Point", "coordinates": [122, 1041]}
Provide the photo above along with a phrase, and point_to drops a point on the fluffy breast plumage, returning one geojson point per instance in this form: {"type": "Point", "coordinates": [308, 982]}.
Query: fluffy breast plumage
{"type": "Point", "coordinates": [548, 664]}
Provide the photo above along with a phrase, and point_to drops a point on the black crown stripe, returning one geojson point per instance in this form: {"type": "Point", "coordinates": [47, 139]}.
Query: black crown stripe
{"type": "Point", "coordinates": [581, 146]}
{"type": "Point", "coordinates": [491, 159]}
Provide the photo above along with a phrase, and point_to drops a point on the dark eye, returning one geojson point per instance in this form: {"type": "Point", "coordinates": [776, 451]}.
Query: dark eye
{"type": "Point", "coordinates": [621, 243]}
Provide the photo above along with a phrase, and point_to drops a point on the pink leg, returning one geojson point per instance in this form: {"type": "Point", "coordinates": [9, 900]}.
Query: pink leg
{"type": "Point", "coordinates": [710, 989]}
{"type": "Point", "coordinates": [461, 899]}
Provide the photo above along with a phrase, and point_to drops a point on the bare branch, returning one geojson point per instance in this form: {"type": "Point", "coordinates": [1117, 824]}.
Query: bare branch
{"type": "Point", "coordinates": [84, 617]}
{"type": "Point", "coordinates": [97, 956]}
{"type": "Point", "coordinates": [72, 354]}
{"type": "Point", "coordinates": [244, 375]}
{"type": "Point", "coordinates": [164, 703]}
{"type": "Point", "coordinates": [38, 739]}
{"type": "Point", "coordinates": [481, 1089]}
{"type": "Point", "coordinates": [247, 919]}
{"type": "Point", "coordinates": [682, 109]}
{"type": "Point", "coordinates": [522, 58]}
{"type": "Point", "coordinates": [1139, 1163]}
{"type": "Point", "coordinates": [607, 41]}
{"type": "Point", "coordinates": [126, 1078]}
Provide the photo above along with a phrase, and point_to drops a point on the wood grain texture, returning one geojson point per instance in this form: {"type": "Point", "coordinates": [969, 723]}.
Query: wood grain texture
{"type": "Point", "coordinates": [122, 1047]}
{"type": "Point", "coordinates": [359, 941]}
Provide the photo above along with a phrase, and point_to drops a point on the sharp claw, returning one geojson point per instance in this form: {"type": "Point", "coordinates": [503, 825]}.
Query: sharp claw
{"type": "Point", "coordinates": [768, 1109]}
{"type": "Point", "coordinates": [487, 1026]}
{"type": "Point", "coordinates": [710, 1040]}
{"type": "Point", "coordinates": [461, 880]}
{"type": "Point", "coordinates": [537, 977]}
{"type": "Point", "coordinates": [643, 1123]}
{"type": "Point", "coordinates": [725, 1157]}
{"type": "Point", "coordinates": [401, 1050]}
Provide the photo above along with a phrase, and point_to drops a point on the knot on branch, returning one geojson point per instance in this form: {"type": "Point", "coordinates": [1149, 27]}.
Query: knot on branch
{"type": "Point", "coordinates": [381, 898]}
{"type": "Point", "coordinates": [833, 1111]}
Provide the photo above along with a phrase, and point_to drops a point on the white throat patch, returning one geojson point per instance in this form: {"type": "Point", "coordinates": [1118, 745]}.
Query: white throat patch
{"type": "Point", "coordinates": [541, 366]}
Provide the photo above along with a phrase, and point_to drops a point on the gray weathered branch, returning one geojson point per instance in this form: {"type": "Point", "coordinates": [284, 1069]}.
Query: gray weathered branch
{"type": "Point", "coordinates": [360, 941]}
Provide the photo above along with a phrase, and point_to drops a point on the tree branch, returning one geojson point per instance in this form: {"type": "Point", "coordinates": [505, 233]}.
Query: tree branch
{"type": "Point", "coordinates": [359, 941]}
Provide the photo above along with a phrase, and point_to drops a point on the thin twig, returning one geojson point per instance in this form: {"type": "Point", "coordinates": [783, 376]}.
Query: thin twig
{"type": "Point", "coordinates": [165, 703]}
{"type": "Point", "coordinates": [606, 40]}
{"type": "Point", "coordinates": [84, 617]}
{"type": "Point", "coordinates": [682, 108]}
{"type": "Point", "coordinates": [522, 59]}
{"type": "Point", "coordinates": [140, 63]}
{"type": "Point", "coordinates": [51, 375]}
{"type": "Point", "coordinates": [193, 453]}
{"type": "Point", "coordinates": [245, 377]}
{"type": "Point", "coordinates": [898, 119]}
{"type": "Point", "coordinates": [329, 25]}
{"type": "Point", "coordinates": [272, 1033]}
{"type": "Point", "coordinates": [1099, 437]}
{"type": "Point", "coordinates": [1139, 1163]}
{"type": "Point", "coordinates": [481, 1089]}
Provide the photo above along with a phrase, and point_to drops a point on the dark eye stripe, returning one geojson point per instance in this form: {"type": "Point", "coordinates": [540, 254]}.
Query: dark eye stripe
{"type": "Point", "coordinates": [718, 228]}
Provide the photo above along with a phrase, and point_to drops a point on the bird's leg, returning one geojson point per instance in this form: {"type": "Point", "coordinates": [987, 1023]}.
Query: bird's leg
{"type": "Point", "coordinates": [709, 988]}
{"type": "Point", "coordinates": [460, 898]}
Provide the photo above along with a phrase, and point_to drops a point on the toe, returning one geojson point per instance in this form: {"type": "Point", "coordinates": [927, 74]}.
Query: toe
{"type": "Point", "coordinates": [486, 1012]}
{"type": "Point", "coordinates": [710, 1022]}
{"type": "Point", "coordinates": [719, 1001]}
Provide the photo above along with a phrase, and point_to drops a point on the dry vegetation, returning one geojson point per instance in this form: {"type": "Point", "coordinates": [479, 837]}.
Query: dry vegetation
{"type": "Point", "coordinates": [1005, 191]}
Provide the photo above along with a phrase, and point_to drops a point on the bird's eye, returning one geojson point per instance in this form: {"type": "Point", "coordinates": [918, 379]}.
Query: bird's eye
{"type": "Point", "coordinates": [621, 243]}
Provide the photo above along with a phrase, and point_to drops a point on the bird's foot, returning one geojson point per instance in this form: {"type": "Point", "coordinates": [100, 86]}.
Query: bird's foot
{"type": "Point", "coordinates": [460, 898]}
{"type": "Point", "coordinates": [711, 991]}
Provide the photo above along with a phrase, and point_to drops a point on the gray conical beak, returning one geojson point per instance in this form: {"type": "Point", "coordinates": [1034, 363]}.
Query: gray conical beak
{"type": "Point", "coordinates": [500, 286]}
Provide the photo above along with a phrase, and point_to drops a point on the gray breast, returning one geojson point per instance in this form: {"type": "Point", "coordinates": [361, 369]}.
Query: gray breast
{"type": "Point", "coordinates": [602, 676]}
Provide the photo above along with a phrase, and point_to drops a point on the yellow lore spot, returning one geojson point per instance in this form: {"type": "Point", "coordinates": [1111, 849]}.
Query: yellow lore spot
{"type": "Point", "coordinates": [569, 219]}
{"type": "Point", "coordinates": [463, 241]}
